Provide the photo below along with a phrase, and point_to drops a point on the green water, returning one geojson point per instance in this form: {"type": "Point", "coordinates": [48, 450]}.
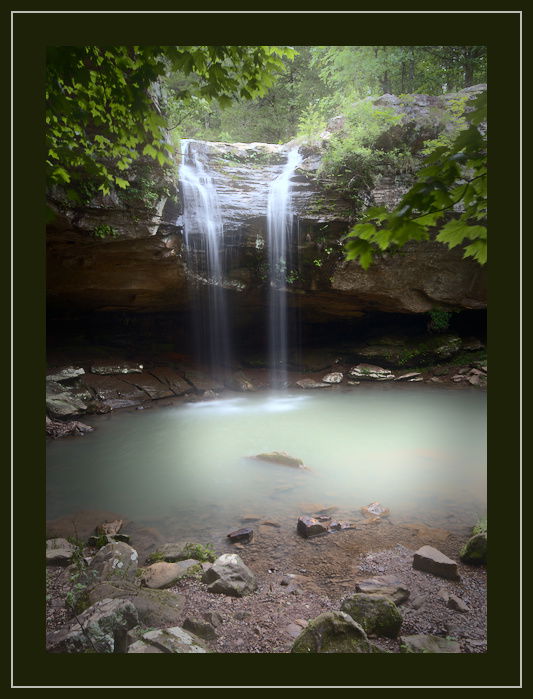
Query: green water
{"type": "Point", "coordinates": [419, 450]}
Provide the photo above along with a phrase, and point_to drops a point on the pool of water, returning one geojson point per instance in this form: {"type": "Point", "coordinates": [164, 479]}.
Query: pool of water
{"type": "Point", "coordinates": [419, 450]}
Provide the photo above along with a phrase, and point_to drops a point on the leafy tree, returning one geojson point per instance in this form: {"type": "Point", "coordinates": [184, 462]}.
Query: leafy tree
{"type": "Point", "coordinates": [104, 108]}
{"type": "Point", "coordinates": [450, 187]}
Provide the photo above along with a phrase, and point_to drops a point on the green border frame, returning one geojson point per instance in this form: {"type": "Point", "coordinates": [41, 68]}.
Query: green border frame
{"type": "Point", "coordinates": [35, 668]}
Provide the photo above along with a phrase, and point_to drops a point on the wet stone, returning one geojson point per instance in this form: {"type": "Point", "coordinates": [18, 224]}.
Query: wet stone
{"type": "Point", "coordinates": [309, 527]}
{"type": "Point", "coordinates": [243, 535]}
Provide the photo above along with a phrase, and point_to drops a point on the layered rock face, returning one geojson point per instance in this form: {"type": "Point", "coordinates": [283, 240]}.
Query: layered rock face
{"type": "Point", "coordinates": [141, 266]}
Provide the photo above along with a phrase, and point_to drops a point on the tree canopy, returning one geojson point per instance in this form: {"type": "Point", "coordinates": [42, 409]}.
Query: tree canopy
{"type": "Point", "coordinates": [103, 109]}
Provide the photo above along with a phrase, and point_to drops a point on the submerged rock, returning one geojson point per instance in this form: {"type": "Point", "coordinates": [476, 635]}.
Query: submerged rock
{"type": "Point", "coordinates": [332, 632]}
{"type": "Point", "coordinates": [377, 614]}
{"type": "Point", "coordinates": [60, 428]}
{"type": "Point", "coordinates": [431, 560]}
{"type": "Point", "coordinates": [64, 373]}
{"type": "Point", "coordinates": [230, 576]}
{"type": "Point", "coordinates": [375, 509]}
{"type": "Point", "coordinates": [115, 368]}
{"type": "Point", "coordinates": [282, 458]}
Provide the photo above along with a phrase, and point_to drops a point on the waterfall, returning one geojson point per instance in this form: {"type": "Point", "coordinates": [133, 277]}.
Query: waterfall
{"type": "Point", "coordinates": [279, 230]}
{"type": "Point", "coordinates": [203, 235]}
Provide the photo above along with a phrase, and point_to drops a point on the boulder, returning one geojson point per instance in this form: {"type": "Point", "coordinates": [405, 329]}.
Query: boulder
{"type": "Point", "coordinates": [230, 576]}
{"type": "Point", "coordinates": [162, 574]}
{"type": "Point", "coordinates": [377, 614]}
{"type": "Point", "coordinates": [475, 549]}
{"type": "Point", "coordinates": [310, 526]}
{"type": "Point", "coordinates": [333, 377]}
{"type": "Point", "coordinates": [155, 608]}
{"type": "Point", "coordinates": [311, 383]}
{"type": "Point", "coordinates": [170, 640]}
{"type": "Point", "coordinates": [332, 632]}
{"type": "Point", "coordinates": [431, 560]}
{"type": "Point", "coordinates": [59, 552]}
{"type": "Point", "coordinates": [388, 585]}
{"type": "Point", "coordinates": [101, 628]}
{"type": "Point", "coordinates": [421, 643]}
{"type": "Point", "coordinates": [115, 561]}
{"type": "Point", "coordinates": [280, 457]}
{"type": "Point", "coordinates": [370, 372]}
{"type": "Point", "coordinates": [245, 535]}
{"type": "Point", "coordinates": [202, 629]}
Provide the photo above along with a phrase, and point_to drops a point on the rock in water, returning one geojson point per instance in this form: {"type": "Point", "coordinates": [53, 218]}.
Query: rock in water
{"type": "Point", "coordinates": [377, 614]}
{"type": "Point", "coordinates": [245, 535]}
{"type": "Point", "coordinates": [230, 576]}
{"type": "Point", "coordinates": [332, 632]}
{"type": "Point", "coordinates": [431, 560]}
{"type": "Point", "coordinates": [310, 526]}
{"type": "Point", "coordinates": [280, 457]}
{"type": "Point", "coordinates": [101, 628]}
{"type": "Point", "coordinates": [421, 643]}
{"type": "Point", "coordinates": [375, 509]}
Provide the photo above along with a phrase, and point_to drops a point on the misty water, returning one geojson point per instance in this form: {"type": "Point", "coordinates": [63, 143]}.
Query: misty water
{"type": "Point", "coordinates": [419, 450]}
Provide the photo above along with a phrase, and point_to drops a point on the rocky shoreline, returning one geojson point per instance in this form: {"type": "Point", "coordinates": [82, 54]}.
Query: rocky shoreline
{"type": "Point", "coordinates": [186, 598]}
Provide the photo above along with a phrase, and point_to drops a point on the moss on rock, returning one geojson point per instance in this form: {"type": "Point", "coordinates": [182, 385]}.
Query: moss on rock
{"type": "Point", "coordinates": [333, 632]}
{"type": "Point", "coordinates": [377, 614]}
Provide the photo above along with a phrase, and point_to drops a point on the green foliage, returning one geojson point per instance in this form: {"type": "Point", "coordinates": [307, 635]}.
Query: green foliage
{"type": "Point", "coordinates": [199, 552]}
{"type": "Point", "coordinates": [103, 104]}
{"type": "Point", "coordinates": [453, 180]}
{"type": "Point", "coordinates": [439, 320]}
{"type": "Point", "coordinates": [104, 231]}
{"type": "Point", "coordinates": [80, 580]}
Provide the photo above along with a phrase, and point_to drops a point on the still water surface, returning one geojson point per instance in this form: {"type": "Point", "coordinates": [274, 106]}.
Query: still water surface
{"type": "Point", "coordinates": [419, 450]}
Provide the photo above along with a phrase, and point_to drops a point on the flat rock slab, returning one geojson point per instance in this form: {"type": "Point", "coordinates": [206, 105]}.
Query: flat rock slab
{"type": "Point", "coordinates": [108, 388]}
{"type": "Point", "coordinates": [171, 640]}
{"type": "Point", "coordinates": [162, 574]}
{"type": "Point", "coordinates": [172, 379]}
{"type": "Point", "coordinates": [311, 383]}
{"type": "Point", "coordinates": [110, 368]}
{"type": "Point", "coordinates": [370, 372]}
{"type": "Point", "coordinates": [203, 382]}
{"type": "Point", "coordinates": [388, 585]}
{"type": "Point", "coordinates": [64, 373]}
{"type": "Point", "coordinates": [410, 375]}
{"type": "Point", "coordinates": [431, 560]}
{"type": "Point", "coordinates": [421, 643]}
{"type": "Point", "coordinates": [151, 385]}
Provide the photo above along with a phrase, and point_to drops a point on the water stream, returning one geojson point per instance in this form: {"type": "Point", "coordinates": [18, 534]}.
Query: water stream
{"type": "Point", "coordinates": [204, 237]}
{"type": "Point", "coordinates": [279, 228]}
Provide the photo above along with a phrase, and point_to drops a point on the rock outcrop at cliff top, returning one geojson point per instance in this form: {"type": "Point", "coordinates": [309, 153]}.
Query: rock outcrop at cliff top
{"type": "Point", "coordinates": [142, 267]}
